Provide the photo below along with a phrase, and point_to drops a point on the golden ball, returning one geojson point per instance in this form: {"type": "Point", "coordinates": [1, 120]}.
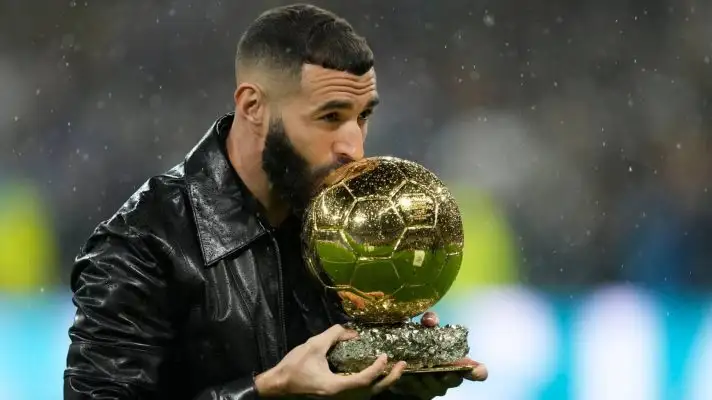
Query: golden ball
{"type": "Point", "coordinates": [386, 235]}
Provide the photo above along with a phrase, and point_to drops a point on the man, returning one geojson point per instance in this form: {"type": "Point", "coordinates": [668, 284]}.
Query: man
{"type": "Point", "coordinates": [195, 288]}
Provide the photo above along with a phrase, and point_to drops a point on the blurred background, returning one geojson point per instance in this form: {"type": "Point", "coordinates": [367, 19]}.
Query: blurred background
{"type": "Point", "coordinates": [576, 135]}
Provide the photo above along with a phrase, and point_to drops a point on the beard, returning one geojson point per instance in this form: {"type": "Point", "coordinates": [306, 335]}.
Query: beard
{"type": "Point", "coordinates": [292, 179]}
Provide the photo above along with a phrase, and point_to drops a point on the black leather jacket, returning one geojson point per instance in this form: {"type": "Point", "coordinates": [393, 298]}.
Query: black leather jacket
{"type": "Point", "coordinates": [171, 295]}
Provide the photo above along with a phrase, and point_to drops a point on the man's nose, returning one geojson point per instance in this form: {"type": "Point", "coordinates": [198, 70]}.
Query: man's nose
{"type": "Point", "coordinates": [349, 144]}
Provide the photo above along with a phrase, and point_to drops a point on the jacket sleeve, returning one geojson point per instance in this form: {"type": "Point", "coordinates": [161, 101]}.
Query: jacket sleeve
{"type": "Point", "coordinates": [122, 330]}
{"type": "Point", "coordinates": [389, 395]}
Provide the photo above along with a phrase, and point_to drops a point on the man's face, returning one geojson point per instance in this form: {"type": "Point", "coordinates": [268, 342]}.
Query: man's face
{"type": "Point", "coordinates": [319, 129]}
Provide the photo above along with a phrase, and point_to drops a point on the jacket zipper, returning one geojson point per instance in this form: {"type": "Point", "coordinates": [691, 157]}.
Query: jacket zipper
{"type": "Point", "coordinates": [280, 280]}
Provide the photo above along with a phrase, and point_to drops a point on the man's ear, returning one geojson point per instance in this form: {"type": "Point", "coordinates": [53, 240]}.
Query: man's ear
{"type": "Point", "coordinates": [250, 103]}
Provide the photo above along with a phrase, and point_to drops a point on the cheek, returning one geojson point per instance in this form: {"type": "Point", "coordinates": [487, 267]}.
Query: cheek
{"type": "Point", "coordinates": [313, 143]}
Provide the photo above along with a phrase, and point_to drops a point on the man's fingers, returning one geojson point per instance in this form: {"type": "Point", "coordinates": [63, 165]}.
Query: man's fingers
{"type": "Point", "coordinates": [430, 319]}
{"type": "Point", "coordinates": [391, 378]}
{"type": "Point", "coordinates": [479, 370]}
{"type": "Point", "coordinates": [331, 336]}
{"type": "Point", "coordinates": [480, 373]}
{"type": "Point", "coordinates": [465, 362]}
{"type": "Point", "coordinates": [365, 377]}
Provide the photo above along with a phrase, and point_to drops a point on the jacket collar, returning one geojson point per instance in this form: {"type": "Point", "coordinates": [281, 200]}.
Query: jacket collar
{"type": "Point", "coordinates": [224, 210]}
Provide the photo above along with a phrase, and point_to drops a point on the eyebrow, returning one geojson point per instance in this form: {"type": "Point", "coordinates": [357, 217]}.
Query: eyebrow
{"type": "Point", "coordinates": [344, 105]}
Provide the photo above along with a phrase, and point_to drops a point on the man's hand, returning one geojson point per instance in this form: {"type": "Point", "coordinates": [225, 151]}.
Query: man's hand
{"type": "Point", "coordinates": [427, 386]}
{"type": "Point", "coordinates": [479, 370]}
{"type": "Point", "coordinates": [305, 371]}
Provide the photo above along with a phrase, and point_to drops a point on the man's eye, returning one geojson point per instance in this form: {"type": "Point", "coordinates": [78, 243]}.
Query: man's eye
{"type": "Point", "coordinates": [364, 116]}
{"type": "Point", "coordinates": [331, 117]}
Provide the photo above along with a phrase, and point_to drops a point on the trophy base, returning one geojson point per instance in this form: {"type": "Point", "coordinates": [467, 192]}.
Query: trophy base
{"type": "Point", "coordinates": [433, 370]}
{"type": "Point", "coordinates": [444, 368]}
{"type": "Point", "coordinates": [425, 350]}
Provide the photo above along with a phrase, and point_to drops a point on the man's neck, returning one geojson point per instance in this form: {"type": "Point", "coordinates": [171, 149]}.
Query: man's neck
{"type": "Point", "coordinates": [244, 151]}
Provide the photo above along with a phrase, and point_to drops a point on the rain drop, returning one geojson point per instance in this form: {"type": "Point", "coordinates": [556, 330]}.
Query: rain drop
{"type": "Point", "coordinates": [68, 40]}
{"type": "Point", "coordinates": [488, 20]}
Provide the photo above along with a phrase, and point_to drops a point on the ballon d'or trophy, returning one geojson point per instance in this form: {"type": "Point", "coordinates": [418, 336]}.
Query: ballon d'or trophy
{"type": "Point", "coordinates": [386, 235]}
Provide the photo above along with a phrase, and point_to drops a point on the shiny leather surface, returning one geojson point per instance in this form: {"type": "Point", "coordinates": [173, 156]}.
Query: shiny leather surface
{"type": "Point", "coordinates": [170, 302]}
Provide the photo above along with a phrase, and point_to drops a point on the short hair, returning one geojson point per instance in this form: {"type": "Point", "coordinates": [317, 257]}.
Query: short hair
{"type": "Point", "coordinates": [283, 39]}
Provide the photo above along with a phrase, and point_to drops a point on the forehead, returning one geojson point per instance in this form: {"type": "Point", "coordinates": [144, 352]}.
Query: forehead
{"type": "Point", "coordinates": [321, 84]}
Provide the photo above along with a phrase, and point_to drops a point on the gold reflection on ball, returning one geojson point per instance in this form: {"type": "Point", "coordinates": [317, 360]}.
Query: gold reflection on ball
{"type": "Point", "coordinates": [386, 235]}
